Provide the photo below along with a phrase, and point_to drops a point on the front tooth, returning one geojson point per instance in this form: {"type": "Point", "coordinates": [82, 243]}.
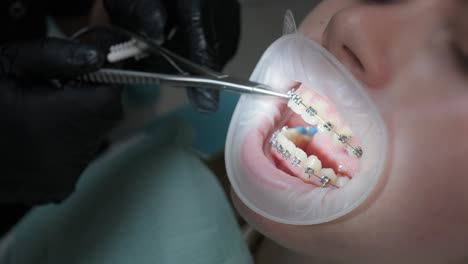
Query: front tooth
{"type": "Point", "coordinates": [341, 181]}
{"type": "Point", "coordinates": [288, 146]}
{"type": "Point", "coordinates": [295, 103]}
{"type": "Point", "coordinates": [342, 137]}
{"type": "Point", "coordinates": [320, 106]}
{"type": "Point", "coordinates": [330, 174]}
{"type": "Point", "coordinates": [314, 111]}
{"type": "Point", "coordinates": [354, 151]}
{"type": "Point", "coordinates": [285, 142]}
{"type": "Point", "coordinates": [309, 115]}
{"type": "Point", "coordinates": [299, 157]}
{"type": "Point", "coordinates": [312, 165]}
{"type": "Point", "coordinates": [295, 107]}
{"type": "Point", "coordinates": [327, 127]}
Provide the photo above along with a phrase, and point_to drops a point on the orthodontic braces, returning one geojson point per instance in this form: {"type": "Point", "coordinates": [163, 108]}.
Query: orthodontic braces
{"type": "Point", "coordinates": [324, 180]}
{"type": "Point", "coordinates": [357, 151]}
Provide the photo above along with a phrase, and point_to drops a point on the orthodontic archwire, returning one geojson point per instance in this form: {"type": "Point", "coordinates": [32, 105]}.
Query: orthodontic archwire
{"type": "Point", "coordinates": [357, 150]}
{"type": "Point", "coordinates": [324, 180]}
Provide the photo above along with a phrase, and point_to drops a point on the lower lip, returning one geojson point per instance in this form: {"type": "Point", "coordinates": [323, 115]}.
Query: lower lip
{"type": "Point", "coordinates": [257, 163]}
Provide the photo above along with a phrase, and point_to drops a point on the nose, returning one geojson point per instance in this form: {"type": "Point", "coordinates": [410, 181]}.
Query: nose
{"type": "Point", "coordinates": [360, 37]}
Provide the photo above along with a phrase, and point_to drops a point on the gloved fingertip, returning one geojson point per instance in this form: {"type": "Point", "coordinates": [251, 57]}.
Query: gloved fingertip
{"type": "Point", "coordinates": [94, 58]}
{"type": "Point", "coordinates": [157, 36]}
{"type": "Point", "coordinates": [203, 100]}
{"type": "Point", "coordinates": [148, 17]}
{"type": "Point", "coordinates": [87, 58]}
{"type": "Point", "coordinates": [153, 19]}
{"type": "Point", "coordinates": [54, 58]}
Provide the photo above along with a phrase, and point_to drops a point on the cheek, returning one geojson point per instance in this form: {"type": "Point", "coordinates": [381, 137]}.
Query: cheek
{"type": "Point", "coordinates": [425, 198]}
{"type": "Point", "coordinates": [423, 201]}
{"type": "Point", "coordinates": [428, 158]}
{"type": "Point", "coordinates": [422, 206]}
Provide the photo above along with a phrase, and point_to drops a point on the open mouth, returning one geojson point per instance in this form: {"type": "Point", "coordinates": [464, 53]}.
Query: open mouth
{"type": "Point", "coordinates": [314, 157]}
{"type": "Point", "coordinates": [315, 144]}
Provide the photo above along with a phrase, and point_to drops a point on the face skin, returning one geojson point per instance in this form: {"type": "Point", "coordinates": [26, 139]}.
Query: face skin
{"type": "Point", "coordinates": [408, 55]}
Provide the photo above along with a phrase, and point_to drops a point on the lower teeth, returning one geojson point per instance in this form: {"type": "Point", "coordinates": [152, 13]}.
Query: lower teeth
{"type": "Point", "coordinates": [311, 166]}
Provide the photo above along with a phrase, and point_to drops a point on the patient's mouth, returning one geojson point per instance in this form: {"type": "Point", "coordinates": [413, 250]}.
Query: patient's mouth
{"type": "Point", "coordinates": [314, 157]}
{"type": "Point", "coordinates": [314, 143]}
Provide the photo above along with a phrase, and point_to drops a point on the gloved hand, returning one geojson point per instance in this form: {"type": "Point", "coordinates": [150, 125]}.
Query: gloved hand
{"type": "Point", "coordinates": [206, 32]}
{"type": "Point", "coordinates": [49, 132]}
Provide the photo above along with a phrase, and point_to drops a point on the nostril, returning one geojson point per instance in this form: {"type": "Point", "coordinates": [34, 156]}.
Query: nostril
{"type": "Point", "coordinates": [355, 61]}
{"type": "Point", "coordinates": [365, 66]}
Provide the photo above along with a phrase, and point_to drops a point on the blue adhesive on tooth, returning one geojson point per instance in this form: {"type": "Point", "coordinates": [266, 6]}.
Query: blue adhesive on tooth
{"type": "Point", "coordinates": [313, 131]}
{"type": "Point", "coordinates": [301, 130]}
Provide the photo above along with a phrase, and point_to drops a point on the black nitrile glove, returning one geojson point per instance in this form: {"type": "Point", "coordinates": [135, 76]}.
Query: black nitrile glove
{"type": "Point", "coordinates": [50, 132]}
{"type": "Point", "coordinates": [206, 32]}
{"type": "Point", "coordinates": [22, 20]}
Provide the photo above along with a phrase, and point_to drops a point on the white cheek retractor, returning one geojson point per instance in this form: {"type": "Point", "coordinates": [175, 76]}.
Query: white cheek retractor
{"type": "Point", "coordinates": [290, 175]}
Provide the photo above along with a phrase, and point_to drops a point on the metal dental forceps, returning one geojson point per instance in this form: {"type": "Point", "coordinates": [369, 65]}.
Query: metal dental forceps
{"type": "Point", "coordinates": [191, 74]}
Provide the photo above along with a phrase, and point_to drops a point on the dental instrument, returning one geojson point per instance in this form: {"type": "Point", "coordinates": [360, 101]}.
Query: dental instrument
{"type": "Point", "coordinates": [221, 82]}
{"type": "Point", "coordinates": [190, 73]}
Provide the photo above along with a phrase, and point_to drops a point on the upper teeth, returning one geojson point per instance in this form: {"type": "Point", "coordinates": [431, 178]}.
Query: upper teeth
{"type": "Point", "coordinates": [313, 111]}
{"type": "Point", "coordinates": [314, 164]}
{"type": "Point", "coordinates": [342, 137]}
